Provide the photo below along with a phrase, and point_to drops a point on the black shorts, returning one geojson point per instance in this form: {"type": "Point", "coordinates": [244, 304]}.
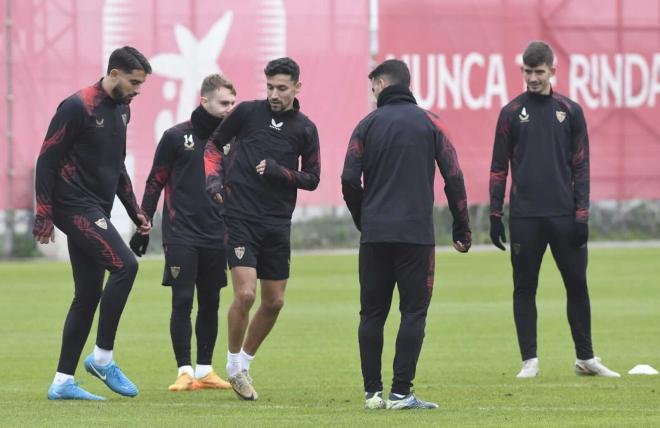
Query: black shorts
{"type": "Point", "coordinates": [265, 247]}
{"type": "Point", "coordinates": [188, 265]}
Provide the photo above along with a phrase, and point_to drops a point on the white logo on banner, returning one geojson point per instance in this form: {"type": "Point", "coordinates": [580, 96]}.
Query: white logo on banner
{"type": "Point", "coordinates": [196, 59]}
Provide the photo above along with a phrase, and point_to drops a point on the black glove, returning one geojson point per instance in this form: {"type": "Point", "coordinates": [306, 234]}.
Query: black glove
{"type": "Point", "coordinates": [139, 243]}
{"type": "Point", "coordinates": [497, 234]}
{"type": "Point", "coordinates": [580, 234]}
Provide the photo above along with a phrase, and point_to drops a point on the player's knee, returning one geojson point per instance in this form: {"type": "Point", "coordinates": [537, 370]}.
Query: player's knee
{"type": "Point", "coordinates": [130, 266]}
{"type": "Point", "coordinates": [181, 308]}
{"type": "Point", "coordinates": [273, 306]}
{"type": "Point", "coordinates": [245, 298]}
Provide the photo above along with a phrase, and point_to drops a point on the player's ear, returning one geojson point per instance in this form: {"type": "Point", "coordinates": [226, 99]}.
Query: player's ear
{"type": "Point", "coordinates": [297, 86]}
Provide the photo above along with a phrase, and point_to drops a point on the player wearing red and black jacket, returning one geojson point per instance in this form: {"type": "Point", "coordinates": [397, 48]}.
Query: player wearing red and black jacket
{"type": "Point", "coordinates": [543, 136]}
{"type": "Point", "coordinates": [394, 150]}
{"type": "Point", "coordinates": [193, 233]}
{"type": "Point", "coordinates": [79, 171]}
{"type": "Point", "coordinates": [259, 187]}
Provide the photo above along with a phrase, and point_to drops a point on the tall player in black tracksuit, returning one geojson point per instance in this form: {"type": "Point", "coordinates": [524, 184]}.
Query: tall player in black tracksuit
{"type": "Point", "coordinates": [259, 187]}
{"type": "Point", "coordinates": [193, 233]}
{"type": "Point", "coordinates": [79, 171]}
{"type": "Point", "coordinates": [394, 150]}
{"type": "Point", "coordinates": [543, 135]}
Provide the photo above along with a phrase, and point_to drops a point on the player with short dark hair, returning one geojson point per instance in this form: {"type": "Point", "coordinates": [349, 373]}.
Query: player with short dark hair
{"type": "Point", "coordinates": [394, 151]}
{"type": "Point", "coordinates": [543, 136]}
{"type": "Point", "coordinates": [79, 171]}
{"type": "Point", "coordinates": [259, 187]}
{"type": "Point", "coordinates": [193, 234]}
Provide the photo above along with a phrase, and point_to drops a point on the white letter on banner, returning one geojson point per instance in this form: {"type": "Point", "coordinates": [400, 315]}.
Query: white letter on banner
{"type": "Point", "coordinates": [472, 58]}
{"type": "Point", "coordinates": [449, 80]}
{"type": "Point", "coordinates": [632, 61]}
{"type": "Point", "coordinates": [654, 85]}
{"type": "Point", "coordinates": [611, 81]}
{"type": "Point", "coordinates": [578, 75]}
{"type": "Point", "coordinates": [496, 81]}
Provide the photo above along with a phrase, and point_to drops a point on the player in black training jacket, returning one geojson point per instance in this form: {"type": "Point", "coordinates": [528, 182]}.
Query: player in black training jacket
{"type": "Point", "coordinates": [79, 171]}
{"type": "Point", "coordinates": [193, 233]}
{"type": "Point", "coordinates": [259, 188]}
{"type": "Point", "coordinates": [543, 136]}
{"type": "Point", "coordinates": [394, 150]}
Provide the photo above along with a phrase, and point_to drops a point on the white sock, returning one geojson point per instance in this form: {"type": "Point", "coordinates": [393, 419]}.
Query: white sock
{"type": "Point", "coordinates": [61, 378]}
{"type": "Point", "coordinates": [246, 359]}
{"type": "Point", "coordinates": [233, 364]}
{"type": "Point", "coordinates": [102, 357]}
{"type": "Point", "coordinates": [187, 370]}
{"type": "Point", "coordinates": [202, 370]}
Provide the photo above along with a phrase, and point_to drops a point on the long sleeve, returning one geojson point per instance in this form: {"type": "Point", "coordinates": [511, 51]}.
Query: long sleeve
{"type": "Point", "coordinates": [127, 197]}
{"type": "Point", "coordinates": [310, 170]}
{"type": "Point", "coordinates": [158, 176]}
{"type": "Point", "coordinates": [213, 151]}
{"type": "Point", "coordinates": [580, 165]}
{"type": "Point", "coordinates": [65, 125]}
{"type": "Point", "coordinates": [450, 169]}
{"type": "Point", "coordinates": [499, 168]}
{"type": "Point", "coordinates": [351, 177]}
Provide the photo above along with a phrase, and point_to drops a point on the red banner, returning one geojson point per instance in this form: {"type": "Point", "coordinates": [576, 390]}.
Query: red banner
{"type": "Point", "coordinates": [464, 61]}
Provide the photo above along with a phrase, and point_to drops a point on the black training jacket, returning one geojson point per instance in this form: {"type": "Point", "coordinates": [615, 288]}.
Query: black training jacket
{"type": "Point", "coordinates": [190, 217]}
{"type": "Point", "coordinates": [395, 150]}
{"type": "Point", "coordinates": [81, 163]}
{"type": "Point", "coordinates": [289, 143]}
{"type": "Point", "coordinates": [544, 139]}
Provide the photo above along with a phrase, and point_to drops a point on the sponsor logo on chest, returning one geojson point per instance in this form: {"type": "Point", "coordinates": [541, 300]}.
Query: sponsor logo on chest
{"type": "Point", "coordinates": [276, 125]}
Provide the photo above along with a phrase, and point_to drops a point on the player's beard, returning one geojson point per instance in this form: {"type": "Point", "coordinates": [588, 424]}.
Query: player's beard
{"type": "Point", "coordinates": [120, 97]}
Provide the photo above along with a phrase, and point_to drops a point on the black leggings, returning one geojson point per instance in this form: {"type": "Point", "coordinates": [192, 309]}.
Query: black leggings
{"type": "Point", "coordinates": [529, 239]}
{"type": "Point", "coordinates": [206, 325]}
{"type": "Point", "coordinates": [382, 265]}
{"type": "Point", "coordinates": [94, 247]}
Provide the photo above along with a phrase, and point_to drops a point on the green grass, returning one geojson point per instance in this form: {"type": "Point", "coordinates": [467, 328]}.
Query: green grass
{"type": "Point", "coordinates": [307, 373]}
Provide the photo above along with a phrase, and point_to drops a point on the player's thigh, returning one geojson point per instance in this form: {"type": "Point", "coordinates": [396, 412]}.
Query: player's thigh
{"type": "Point", "coordinates": [212, 268]}
{"type": "Point", "coordinates": [93, 233]}
{"type": "Point", "coordinates": [414, 267]}
{"type": "Point", "coordinates": [377, 277]}
{"type": "Point", "coordinates": [181, 265]}
{"type": "Point", "coordinates": [274, 260]}
{"type": "Point", "coordinates": [528, 243]}
{"type": "Point", "coordinates": [570, 259]}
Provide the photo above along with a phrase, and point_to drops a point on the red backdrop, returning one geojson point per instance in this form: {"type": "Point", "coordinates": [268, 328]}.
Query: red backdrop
{"type": "Point", "coordinates": [463, 59]}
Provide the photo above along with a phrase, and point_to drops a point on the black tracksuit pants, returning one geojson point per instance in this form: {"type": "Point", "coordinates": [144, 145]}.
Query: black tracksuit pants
{"type": "Point", "coordinates": [94, 247]}
{"type": "Point", "coordinates": [412, 268]}
{"type": "Point", "coordinates": [529, 238]}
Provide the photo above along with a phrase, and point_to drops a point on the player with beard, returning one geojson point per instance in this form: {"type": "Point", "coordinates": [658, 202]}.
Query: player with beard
{"type": "Point", "coordinates": [193, 234]}
{"type": "Point", "coordinates": [79, 171]}
{"type": "Point", "coordinates": [543, 136]}
{"type": "Point", "coordinates": [259, 188]}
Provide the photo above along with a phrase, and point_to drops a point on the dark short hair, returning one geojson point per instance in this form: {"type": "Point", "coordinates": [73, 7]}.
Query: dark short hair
{"type": "Point", "coordinates": [395, 71]}
{"type": "Point", "coordinates": [216, 81]}
{"type": "Point", "coordinates": [128, 59]}
{"type": "Point", "coordinates": [538, 53]}
{"type": "Point", "coordinates": [283, 66]}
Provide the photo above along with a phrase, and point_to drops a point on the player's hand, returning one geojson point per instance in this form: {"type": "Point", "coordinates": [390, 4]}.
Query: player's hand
{"type": "Point", "coordinates": [43, 230]}
{"type": "Point", "coordinates": [261, 167]}
{"type": "Point", "coordinates": [145, 224]}
{"type": "Point", "coordinates": [217, 198]}
{"type": "Point", "coordinates": [462, 240]}
{"type": "Point", "coordinates": [497, 233]}
{"type": "Point", "coordinates": [580, 234]}
{"type": "Point", "coordinates": [139, 243]}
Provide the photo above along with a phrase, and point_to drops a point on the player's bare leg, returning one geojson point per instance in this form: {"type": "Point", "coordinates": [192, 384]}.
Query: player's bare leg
{"type": "Point", "coordinates": [272, 301]}
{"type": "Point", "coordinates": [244, 281]}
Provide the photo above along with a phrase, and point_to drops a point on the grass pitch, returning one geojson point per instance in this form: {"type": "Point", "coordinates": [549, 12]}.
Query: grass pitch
{"type": "Point", "coordinates": [307, 372]}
